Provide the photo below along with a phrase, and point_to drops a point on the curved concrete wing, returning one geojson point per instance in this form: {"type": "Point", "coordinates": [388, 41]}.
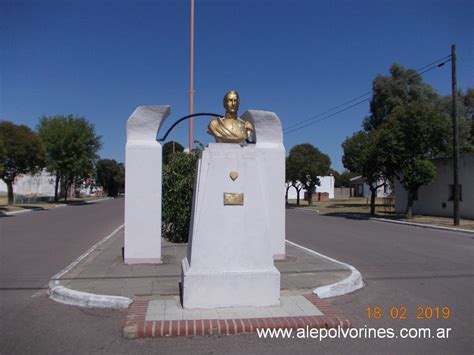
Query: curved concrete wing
{"type": "Point", "coordinates": [145, 122]}
{"type": "Point", "coordinates": [267, 126]}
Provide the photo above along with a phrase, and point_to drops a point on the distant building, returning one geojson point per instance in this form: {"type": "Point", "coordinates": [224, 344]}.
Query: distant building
{"type": "Point", "coordinates": [41, 184]}
{"type": "Point", "coordinates": [436, 198]}
{"type": "Point", "coordinates": [326, 185]}
{"type": "Point", "coordinates": [360, 188]}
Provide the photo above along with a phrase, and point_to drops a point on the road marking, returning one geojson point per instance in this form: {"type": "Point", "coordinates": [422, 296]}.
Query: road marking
{"type": "Point", "coordinates": [57, 276]}
{"type": "Point", "coordinates": [350, 284]}
{"type": "Point", "coordinates": [65, 295]}
{"type": "Point", "coordinates": [41, 292]}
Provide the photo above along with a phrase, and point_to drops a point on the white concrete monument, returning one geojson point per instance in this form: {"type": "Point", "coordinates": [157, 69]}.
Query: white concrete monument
{"type": "Point", "coordinates": [143, 173]}
{"type": "Point", "coordinates": [268, 139]}
{"type": "Point", "coordinates": [237, 222]}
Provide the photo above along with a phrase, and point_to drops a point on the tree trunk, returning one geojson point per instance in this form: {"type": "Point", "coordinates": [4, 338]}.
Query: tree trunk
{"type": "Point", "coordinates": [373, 194]}
{"type": "Point", "coordinates": [10, 192]}
{"type": "Point", "coordinates": [298, 197]}
{"type": "Point", "coordinates": [56, 187]}
{"type": "Point", "coordinates": [66, 189]}
{"type": "Point", "coordinates": [408, 211]}
{"type": "Point", "coordinates": [310, 198]}
{"type": "Point", "coordinates": [286, 194]}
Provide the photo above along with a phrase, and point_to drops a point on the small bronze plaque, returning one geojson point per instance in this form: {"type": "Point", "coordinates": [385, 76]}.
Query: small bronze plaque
{"type": "Point", "coordinates": [233, 199]}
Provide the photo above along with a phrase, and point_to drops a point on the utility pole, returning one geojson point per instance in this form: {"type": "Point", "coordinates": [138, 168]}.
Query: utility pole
{"type": "Point", "coordinates": [191, 78]}
{"type": "Point", "coordinates": [455, 139]}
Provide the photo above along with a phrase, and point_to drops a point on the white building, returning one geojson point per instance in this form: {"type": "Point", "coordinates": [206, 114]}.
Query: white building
{"type": "Point", "coordinates": [361, 189]}
{"type": "Point", "coordinates": [41, 184]}
{"type": "Point", "coordinates": [436, 198]}
{"type": "Point", "coordinates": [326, 185]}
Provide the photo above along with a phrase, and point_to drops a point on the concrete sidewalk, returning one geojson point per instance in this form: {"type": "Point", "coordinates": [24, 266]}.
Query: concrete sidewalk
{"type": "Point", "coordinates": [103, 272]}
{"type": "Point", "coordinates": [99, 278]}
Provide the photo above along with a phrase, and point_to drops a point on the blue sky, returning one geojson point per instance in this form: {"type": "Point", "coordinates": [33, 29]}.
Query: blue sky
{"type": "Point", "coordinates": [100, 59]}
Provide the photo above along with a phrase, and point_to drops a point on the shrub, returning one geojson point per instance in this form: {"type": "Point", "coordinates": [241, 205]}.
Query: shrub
{"type": "Point", "coordinates": [178, 185]}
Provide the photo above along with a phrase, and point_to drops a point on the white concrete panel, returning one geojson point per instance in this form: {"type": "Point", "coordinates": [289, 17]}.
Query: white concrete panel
{"type": "Point", "coordinates": [143, 178]}
{"type": "Point", "coordinates": [270, 153]}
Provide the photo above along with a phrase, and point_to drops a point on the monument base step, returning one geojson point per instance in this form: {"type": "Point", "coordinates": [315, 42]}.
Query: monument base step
{"type": "Point", "coordinates": [229, 288]}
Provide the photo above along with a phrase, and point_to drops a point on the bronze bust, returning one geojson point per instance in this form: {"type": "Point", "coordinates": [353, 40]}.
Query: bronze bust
{"type": "Point", "coordinates": [230, 128]}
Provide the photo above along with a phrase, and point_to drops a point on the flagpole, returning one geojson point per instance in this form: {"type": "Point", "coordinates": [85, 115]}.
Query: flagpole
{"type": "Point", "coordinates": [191, 78]}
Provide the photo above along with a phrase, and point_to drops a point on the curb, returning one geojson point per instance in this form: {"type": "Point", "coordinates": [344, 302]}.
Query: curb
{"type": "Point", "coordinates": [65, 295]}
{"type": "Point", "coordinates": [429, 226]}
{"type": "Point", "coordinates": [414, 224]}
{"type": "Point", "coordinates": [72, 297]}
{"type": "Point", "coordinates": [100, 200]}
{"type": "Point", "coordinates": [12, 213]}
{"type": "Point", "coordinates": [350, 284]}
{"type": "Point", "coordinates": [136, 325]}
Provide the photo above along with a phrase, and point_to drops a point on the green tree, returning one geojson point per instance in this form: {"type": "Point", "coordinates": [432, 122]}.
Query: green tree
{"type": "Point", "coordinates": [343, 179]}
{"type": "Point", "coordinates": [411, 128]}
{"type": "Point", "coordinates": [362, 155]}
{"type": "Point", "coordinates": [413, 136]}
{"type": "Point", "coordinates": [465, 107]}
{"type": "Point", "coordinates": [71, 148]}
{"type": "Point", "coordinates": [402, 87]}
{"type": "Point", "coordinates": [291, 179]}
{"type": "Point", "coordinates": [111, 176]}
{"type": "Point", "coordinates": [469, 104]}
{"type": "Point", "coordinates": [21, 152]}
{"type": "Point", "coordinates": [2, 156]}
{"type": "Point", "coordinates": [178, 187]}
{"type": "Point", "coordinates": [120, 177]}
{"type": "Point", "coordinates": [307, 162]}
{"type": "Point", "coordinates": [170, 148]}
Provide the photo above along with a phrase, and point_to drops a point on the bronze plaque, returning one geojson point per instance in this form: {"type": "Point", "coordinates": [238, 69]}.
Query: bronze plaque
{"type": "Point", "coordinates": [233, 199]}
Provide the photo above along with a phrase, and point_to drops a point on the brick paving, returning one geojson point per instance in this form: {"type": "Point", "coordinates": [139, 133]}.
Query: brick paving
{"type": "Point", "coordinates": [144, 319]}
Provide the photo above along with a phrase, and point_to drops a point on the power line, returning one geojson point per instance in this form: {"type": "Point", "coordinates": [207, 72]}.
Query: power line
{"type": "Point", "coordinates": [325, 112]}
{"type": "Point", "coordinates": [329, 116]}
{"type": "Point", "coordinates": [297, 126]}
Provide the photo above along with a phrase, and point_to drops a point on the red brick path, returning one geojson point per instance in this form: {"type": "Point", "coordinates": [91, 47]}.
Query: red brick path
{"type": "Point", "coordinates": [137, 327]}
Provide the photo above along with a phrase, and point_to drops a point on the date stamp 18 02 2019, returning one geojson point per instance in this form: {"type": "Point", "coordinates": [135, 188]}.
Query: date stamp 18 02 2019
{"type": "Point", "coordinates": [402, 312]}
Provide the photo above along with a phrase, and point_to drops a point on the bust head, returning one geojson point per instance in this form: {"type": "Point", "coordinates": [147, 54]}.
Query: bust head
{"type": "Point", "coordinates": [231, 102]}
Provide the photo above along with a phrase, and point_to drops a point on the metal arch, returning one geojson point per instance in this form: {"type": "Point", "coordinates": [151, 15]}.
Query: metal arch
{"type": "Point", "coordinates": [185, 118]}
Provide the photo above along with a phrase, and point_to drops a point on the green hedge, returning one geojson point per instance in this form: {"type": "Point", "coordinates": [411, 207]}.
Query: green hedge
{"type": "Point", "coordinates": [178, 185]}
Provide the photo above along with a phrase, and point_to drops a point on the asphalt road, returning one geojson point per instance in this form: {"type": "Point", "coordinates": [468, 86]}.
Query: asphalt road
{"type": "Point", "coordinates": [402, 266]}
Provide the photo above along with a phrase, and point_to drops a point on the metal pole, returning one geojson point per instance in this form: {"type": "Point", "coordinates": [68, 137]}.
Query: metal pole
{"type": "Point", "coordinates": [455, 139]}
{"type": "Point", "coordinates": [191, 78]}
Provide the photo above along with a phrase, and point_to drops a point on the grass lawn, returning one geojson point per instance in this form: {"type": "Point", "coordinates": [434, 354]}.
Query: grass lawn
{"type": "Point", "coordinates": [43, 205]}
{"type": "Point", "coordinates": [358, 207]}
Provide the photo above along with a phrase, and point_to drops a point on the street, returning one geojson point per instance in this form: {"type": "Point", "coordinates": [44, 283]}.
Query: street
{"type": "Point", "coordinates": [402, 266]}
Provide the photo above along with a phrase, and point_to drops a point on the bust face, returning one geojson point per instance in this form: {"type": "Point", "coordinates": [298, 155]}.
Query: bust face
{"type": "Point", "coordinates": [231, 102]}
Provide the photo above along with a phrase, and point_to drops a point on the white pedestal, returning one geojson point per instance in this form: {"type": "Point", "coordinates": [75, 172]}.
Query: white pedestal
{"type": "Point", "coordinates": [268, 137]}
{"type": "Point", "coordinates": [143, 170]}
{"type": "Point", "coordinates": [230, 258]}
